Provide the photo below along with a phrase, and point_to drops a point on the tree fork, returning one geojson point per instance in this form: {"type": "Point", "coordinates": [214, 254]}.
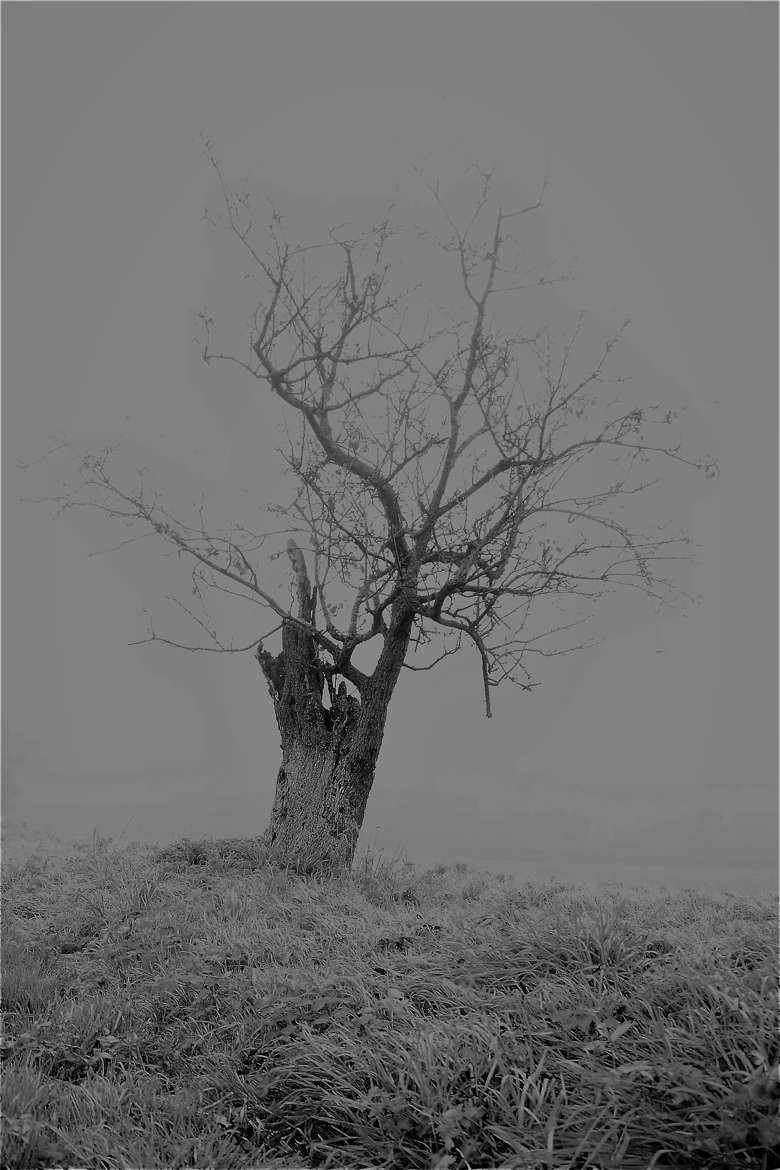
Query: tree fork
{"type": "Point", "coordinates": [329, 755]}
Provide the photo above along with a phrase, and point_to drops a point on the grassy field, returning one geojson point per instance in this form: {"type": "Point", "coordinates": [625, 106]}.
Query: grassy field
{"type": "Point", "coordinates": [192, 1006]}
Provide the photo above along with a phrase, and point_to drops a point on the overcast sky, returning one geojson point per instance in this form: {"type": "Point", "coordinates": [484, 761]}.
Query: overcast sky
{"type": "Point", "coordinates": [654, 756]}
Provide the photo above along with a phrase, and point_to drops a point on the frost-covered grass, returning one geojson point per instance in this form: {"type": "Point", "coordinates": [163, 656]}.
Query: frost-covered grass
{"type": "Point", "coordinates": [193, 1006]}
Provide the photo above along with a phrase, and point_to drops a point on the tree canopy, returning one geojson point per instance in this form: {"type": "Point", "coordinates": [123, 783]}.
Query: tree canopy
{"type": "Point", "coordinates": [447, 458]}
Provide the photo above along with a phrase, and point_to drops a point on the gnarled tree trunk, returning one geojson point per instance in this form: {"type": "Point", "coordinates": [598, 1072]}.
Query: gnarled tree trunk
{"type": "Point", "coordinates": [329, 754]}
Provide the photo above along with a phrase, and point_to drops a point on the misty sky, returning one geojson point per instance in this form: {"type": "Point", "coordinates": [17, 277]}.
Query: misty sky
{"type": "Point", "coordinates": [654, 755]}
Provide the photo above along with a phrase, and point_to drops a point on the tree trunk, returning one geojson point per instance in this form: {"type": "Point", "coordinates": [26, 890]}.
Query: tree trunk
{"type": "Point", "coordinates": [329, 755]}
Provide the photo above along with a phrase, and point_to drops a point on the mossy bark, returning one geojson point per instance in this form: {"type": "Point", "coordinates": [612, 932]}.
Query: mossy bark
{"type": "Point", "coordinates": [329, 753]}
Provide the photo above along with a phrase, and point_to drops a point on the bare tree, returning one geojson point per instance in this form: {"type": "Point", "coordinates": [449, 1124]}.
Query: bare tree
{"type": "Point", "coordinates": [457, 485]}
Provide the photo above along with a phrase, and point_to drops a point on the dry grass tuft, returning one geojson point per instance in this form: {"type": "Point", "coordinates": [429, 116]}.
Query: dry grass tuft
{"type": "Point", "coordinates": [193, 1006]}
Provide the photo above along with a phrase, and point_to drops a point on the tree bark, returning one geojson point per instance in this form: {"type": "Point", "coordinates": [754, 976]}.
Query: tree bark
{"type": "Point", "coordinates": [329, 754]}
